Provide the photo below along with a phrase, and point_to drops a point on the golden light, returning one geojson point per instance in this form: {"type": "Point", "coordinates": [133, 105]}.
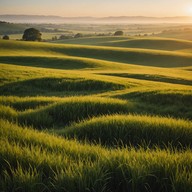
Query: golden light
{"type": "Point", "coordinates": [189, 10]}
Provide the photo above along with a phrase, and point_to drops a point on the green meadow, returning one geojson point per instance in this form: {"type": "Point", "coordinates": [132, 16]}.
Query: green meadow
{"type": "Point", "coordinates": [96, 114]}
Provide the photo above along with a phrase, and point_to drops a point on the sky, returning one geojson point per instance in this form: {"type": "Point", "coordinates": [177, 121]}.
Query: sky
{"type": "Point", "coordinates": [98, 8]}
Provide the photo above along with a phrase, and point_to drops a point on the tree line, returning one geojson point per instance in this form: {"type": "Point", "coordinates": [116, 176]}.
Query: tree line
{"type": "Point", "coordinates": [32, 34]}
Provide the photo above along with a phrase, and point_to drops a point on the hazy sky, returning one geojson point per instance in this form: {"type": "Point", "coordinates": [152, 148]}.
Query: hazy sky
{"type": "Point", "coordinates": [98, 8]}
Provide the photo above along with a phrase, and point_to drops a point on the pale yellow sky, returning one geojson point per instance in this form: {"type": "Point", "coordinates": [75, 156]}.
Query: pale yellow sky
{"type": "Point", "coordinates": [98, 8]}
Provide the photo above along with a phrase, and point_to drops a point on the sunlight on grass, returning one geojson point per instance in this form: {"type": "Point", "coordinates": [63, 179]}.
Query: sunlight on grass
{"type": "Point", "coordinates": [96, 114]}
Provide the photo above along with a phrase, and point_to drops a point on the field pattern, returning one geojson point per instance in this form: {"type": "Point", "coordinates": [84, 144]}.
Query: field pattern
{"type": "Point", "coordinates": [99, 114]}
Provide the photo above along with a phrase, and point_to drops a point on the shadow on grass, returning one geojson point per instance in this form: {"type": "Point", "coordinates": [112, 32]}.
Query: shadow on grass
{"type": "Point", "coordinates": [137, 57]}
{"type": "Point", "coordinates": [148, 77]}
{"type": "Point", "coordinates": [56, 87]}
{"type": "Point", "coordinates": [171, 104]}
{"type": "Point", "coordinates": [46, 62]}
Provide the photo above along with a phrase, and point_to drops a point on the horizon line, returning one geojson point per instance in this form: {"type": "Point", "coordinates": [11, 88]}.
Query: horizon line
{"type": "Point", "coordinates": [95, 16]}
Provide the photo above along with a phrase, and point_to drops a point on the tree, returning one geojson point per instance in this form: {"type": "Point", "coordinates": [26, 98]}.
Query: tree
{"type": "Point", "coordinates": [64, 37]}
{"type": "Point", "coordinates": [118, 33]}
{"type": "Point", "coordinates": [78, 35]}
{"type": "Point", "coordinates": [5, 37]}
{"type": "Point", "coordinates": [32, 34]}
{"type": "Point", "coordinates": [54, 38]}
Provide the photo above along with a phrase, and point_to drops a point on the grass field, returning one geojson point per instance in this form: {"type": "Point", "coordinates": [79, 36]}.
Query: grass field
{"type": "Point", "coordinates": [158, 43]}
{"type": "Point", "coordinates": [99, 114]}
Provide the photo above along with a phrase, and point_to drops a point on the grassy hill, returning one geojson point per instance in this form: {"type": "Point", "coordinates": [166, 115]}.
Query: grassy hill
{"type": "Point", "coordinates": [138, 56]}
{"type": "Point", "coordinates": [168, 44]}
{"type": "Point", "coordinates": [96, 114]}
{"type": "Point", "coordinates": [178, 34]}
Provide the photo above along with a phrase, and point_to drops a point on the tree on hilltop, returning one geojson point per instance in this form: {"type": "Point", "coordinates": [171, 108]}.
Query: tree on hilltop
{"type": "Point", "coordinates": [118, 33]}
{"type": "Point", "coordinates": [78, 35]}
{"type": "Point", "coordinates": [5, 37]}
{"type": "Point", "coordinates": [32, 34]}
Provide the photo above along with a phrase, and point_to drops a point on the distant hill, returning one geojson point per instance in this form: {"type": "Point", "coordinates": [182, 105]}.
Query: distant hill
{"type": "Point", "coordinates": [121, 19]}
{"type": "Point", "coordinates": [7, 28]}
{"type": "Point", "coordinates": [11, 28]}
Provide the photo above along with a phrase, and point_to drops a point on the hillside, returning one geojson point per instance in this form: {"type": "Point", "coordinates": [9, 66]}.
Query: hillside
{"type": "Point", "coordinates": [109, 114]}
{"type": "Point", "coordinates": [168, 44]}
{"type": "Point", "coordinates": [137, 56]}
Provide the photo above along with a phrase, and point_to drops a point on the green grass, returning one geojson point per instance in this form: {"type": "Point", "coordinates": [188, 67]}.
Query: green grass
{"type": "Point", "coordinates": [56, 85]}
{"type": "Point", "coordinates": [164, 102]}
{"type": "Point", "coordinates": [108, 114]}
{"type": "Point", "coordinates": [92, 40]}
{"type": "Point", "coordinates": [70, 110]}
{"type": "Point", "coordinates": [152, 77]}
{"type": "Point", "coordinates": [59, 164]}
{"type": "Point", "coordinates": [134, 130]}
{"type": "Point", "coordinates": [155, 58]}
{"type": "Point", "coordinates": [133, 42]}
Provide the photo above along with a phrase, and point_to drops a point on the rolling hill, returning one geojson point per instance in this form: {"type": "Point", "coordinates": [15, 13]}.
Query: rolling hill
{"type": "Point", "coordinates": [133, 42]}
{"type": "Point", "coordinates": [109, 114]}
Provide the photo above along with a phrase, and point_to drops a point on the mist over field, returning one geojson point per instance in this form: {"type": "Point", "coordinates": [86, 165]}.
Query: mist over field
{"type": "Point", "coordinates": [96, 20]}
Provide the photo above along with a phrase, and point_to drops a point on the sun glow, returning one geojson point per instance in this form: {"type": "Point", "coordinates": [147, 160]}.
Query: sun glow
{"type": "Point", "coordinates": [189, 10]}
